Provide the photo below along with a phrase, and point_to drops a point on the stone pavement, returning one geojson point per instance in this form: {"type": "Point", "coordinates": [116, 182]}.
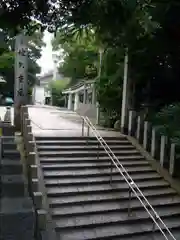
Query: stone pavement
{"type": "Point", "coordinates": [51, 121]}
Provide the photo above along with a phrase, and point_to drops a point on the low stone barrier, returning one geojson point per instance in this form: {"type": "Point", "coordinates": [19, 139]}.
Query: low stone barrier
{"type": "Point", "coordinates": [32, 167]}
{"type": "Point", "coordinates": [159, 146]}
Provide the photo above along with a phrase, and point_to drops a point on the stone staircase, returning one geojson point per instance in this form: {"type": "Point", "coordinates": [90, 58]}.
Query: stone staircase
{"type": "Point", "coordinates": [16, 212]}
{"type": "Point", "coordinates": [83, 204]}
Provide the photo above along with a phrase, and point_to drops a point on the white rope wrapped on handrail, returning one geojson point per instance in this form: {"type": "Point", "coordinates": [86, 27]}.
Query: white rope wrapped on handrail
{"type": "Point", "coordinates": [135, 189]}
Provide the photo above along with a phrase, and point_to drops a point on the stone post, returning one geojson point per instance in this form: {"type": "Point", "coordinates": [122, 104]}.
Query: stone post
{"type": "Point", "coordinates": [172, 160]}
{"type": "Point", "coordinates": [25, 116]}
{"type": "Point", "coordinates": [145, 134]}
{"type": "Point", "coordinates": [20, 83]}
{"type": "Point", "coordinates": [85, 94]}
{"type": "Point", "coordinates": [93, 94]}
{"type": "Point", "coordinates": [70, 101]}
{"type": "Point", "coordinates": [162, 150]}
{"type": "Point", "coordinates": [153, 142]}
{"type": "Point", "coordinates": [76, 101]}
{"type": "Point", "coordinates": [97, 113]}
{"type": "Point", "coordinates": [130, 122]}
{"type": "Point", "coordinates": [138, 132]}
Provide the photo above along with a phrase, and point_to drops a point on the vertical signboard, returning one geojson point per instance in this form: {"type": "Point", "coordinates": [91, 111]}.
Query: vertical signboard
{"type": "Point", "coordinates": [21, 85]}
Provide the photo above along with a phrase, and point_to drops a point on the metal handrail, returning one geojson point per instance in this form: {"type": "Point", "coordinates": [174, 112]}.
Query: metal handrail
{"type": "Point", "coordinates": [132, 185]}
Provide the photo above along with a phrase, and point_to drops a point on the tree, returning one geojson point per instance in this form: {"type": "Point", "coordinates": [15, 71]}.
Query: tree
{"type": "Point", "coordinates": [80, 56]}
{"type": "Point", "coordinates": [116, 18]}
{"type": "Point", "coordinates": [56, 88]}
{"type": "Point", "coordinates": [7, 56]}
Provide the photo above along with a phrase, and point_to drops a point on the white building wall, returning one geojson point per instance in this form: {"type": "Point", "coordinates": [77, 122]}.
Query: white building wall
{"type": "Point", "coordinates": [39, 94]}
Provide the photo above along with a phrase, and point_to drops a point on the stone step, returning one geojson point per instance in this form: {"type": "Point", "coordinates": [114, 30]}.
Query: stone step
{"type": "Point", "coordinates": [71, 166]}
{"type": "Point", "coordinates": [157, 235]}
{"type": "Point", "coordinates": [74, 138]}
{"type": "Point", "coordinates": [91, 189]}
{"type": "Point", "coordinates": [12, 185]}
{"type": "Point", "coordinates": [85, 153]}
{"type": "Point", "coordinates": [85, 206]}
{"type": "Point", "coordinates": [79, 142]}
{"type": "Point", "coordinates": [10, 167]}
{"type": "Point", "coordinates": [11, 154]}
{"type": "Point", "coordinates": [95, 172]}
{"type": "Point", "coordinates": [85, 148]}
{"type": "Point", "coordinates": [17, 219]}
{"type": "Point", "coordinates": [104, 214]}
{"type": "Point", "coordinates": [88, 159]}
{"type": "Point", "coordinates": [98, 180]}
{"type": "Point", "coordinates": [114, 207]}
{"type": "Point", "coordinates": [8, 129]}
{"type": "Point", "coordinates": [9, 145]}
{"type": "Point", "coordinates": [151, 194]}
{"type": "Point", "coordinates": [94, 162]}
{"type": "Point", "coordinates": [116, 231]}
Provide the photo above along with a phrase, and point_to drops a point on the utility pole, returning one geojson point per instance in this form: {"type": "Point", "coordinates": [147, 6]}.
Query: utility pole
{"type": "Point", "coordinates": [101, 51]}
{"type": "Point", "coordinates": [125, 96]}
{"type": "Point", "coordinates": [21, 81]}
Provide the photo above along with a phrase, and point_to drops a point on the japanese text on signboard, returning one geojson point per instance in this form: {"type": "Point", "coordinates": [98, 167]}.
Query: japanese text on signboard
{"type": "Point", "coordinates": [22, 53]}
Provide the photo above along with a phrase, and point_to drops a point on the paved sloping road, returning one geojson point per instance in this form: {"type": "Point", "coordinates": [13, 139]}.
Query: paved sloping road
{"type": "Point", "coordinates": [51, 121]}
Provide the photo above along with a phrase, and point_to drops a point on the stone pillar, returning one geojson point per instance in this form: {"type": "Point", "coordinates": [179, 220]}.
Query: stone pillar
{"type": "Point", "coordinates": [163, 150]}
{"type": "Point", "coordinates": [85, 95]}
{"type": "Point", "coordinates": [153, 143]}
{"type": "Point", "coordinates": [145, 135]}
{"type": "Point", "coordinates": [70, 101]}
{"type": "Point", "coordinates": [21, 81]}
{"type": "Point", "coordinates": [97, 113]}
{"type": "Point", "coordinates": [172, 165]}
{"type": "Point", "coordinates": [76, 101]}
{"type": "Point", "coordinates": [130, 122]}
{"type": "Point", "coordinates": [93, 94]}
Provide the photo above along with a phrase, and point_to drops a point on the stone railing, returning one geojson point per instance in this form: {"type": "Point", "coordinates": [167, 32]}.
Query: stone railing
{"type": "Point", "coordinates": [159, 146]}
{"type": "Point", "coordinates": [32, 168]}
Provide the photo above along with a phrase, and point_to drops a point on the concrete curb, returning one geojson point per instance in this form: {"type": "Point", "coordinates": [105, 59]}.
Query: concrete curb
{"type": "Point", "coordinates": [44, 106]}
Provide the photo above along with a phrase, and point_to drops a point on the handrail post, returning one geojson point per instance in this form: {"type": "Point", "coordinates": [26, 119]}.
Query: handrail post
{"type": "Point", "coordinates": [154, 223]}
{"type": "Point", "coordinates": [83, 127]}
{"type": "Point", "coordinates": [111, 171]}
{"type": "Point", "coordinates": [130, 197]}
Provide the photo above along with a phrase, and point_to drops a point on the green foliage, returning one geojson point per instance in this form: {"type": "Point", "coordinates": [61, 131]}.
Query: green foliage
{"type": "Point", "coordinates": [56, 88]}
{"type": "Point", "coordinates": [59, 85]}
{"type": "Point", "coordinates": [7, 58]}
{"type": "Point", "coordinates": [167, 121]}
{"type": "Point", "coordinates": [80, 58]}
{"type": "Point", "coordinates": [109, 94]}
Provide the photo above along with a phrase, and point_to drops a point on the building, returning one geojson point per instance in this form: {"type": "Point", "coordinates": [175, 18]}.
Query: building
{"type": "Point", "coordinates": [40, 91]}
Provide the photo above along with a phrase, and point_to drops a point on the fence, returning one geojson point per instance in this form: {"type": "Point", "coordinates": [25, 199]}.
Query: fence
{"type": "Point", "coordinates": [159, 146]}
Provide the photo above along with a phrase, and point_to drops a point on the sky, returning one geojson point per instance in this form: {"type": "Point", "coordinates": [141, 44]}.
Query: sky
{"type": "Point", "coordinates": [46, 62]}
